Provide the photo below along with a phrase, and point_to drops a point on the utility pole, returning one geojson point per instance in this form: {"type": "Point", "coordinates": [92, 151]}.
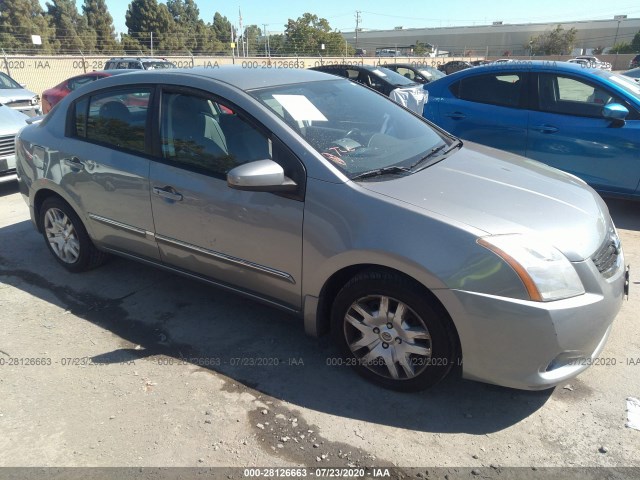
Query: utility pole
{"type": "Point", "coordinates": [267, 47]}
{"type": "Point", "coordinates": [358, 12]}
{"type": "Point", "coordinates": [618, 18]}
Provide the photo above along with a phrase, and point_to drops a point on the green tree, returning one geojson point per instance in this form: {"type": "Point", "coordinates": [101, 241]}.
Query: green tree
{"type": "Point", "coordinates": [19, 20]}
{"type": "Point", "coordinates": [554, 42]}
{"type": "Point", "coordinates": [186, 18]}
{"type": "Point", "coordinates": [252, 38]}
{"type": "Point", "coordinates": [222, 28]}
{"type": "Point", "coordinates": [150, 24]}
{"type": "Point", "coordinates": [101, 22]}
{"type": "Point", "coordinates": [622, 47]}
{"type": "Point", "coordinates": [277, 44]}
{"type": "Point", "coordinates": [71, 29]}
{"type": "Point", "coordinates": [308, 33]}
{"type": "Point", "coordinates": [420, 48]}
{"type": "Point", "coordinates": [625, 47]}
{"type": "Point", "coordinates": [206, 40]}
{"type": "Point", "coordinates": [635, 43]}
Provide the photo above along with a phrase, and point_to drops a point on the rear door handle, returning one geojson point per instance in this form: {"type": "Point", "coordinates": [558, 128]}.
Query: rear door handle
{"type": "Point", "coordinates": [545, 128]}
{"type": "Point", "coordinates": [74, 163]}
{"type": "Point", "coordinates": [167, 192]}
{"type": "Point", "coordinates": [455, 115]}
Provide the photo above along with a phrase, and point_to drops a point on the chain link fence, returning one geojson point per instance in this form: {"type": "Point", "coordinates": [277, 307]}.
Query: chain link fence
{"type": "Point", "coordinates": [40, 73]}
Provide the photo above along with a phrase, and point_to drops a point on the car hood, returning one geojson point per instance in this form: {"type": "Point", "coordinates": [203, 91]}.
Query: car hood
{"type": "Point", "coordinates": [501, 193]}
{"type": "Point", "coordinates": [8, 95]}
{"type": "Point", "coordinates": [11, 120]}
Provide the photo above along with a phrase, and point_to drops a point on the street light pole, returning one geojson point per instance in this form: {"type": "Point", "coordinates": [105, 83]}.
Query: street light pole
{"type": "Point", "coordinates": [619, 18]}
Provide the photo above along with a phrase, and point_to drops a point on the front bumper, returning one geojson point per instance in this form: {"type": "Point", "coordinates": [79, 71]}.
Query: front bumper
{"type": "Point", "coordinates": [535, 345]}
{"type": "Point", "coordinates": [7, 164]}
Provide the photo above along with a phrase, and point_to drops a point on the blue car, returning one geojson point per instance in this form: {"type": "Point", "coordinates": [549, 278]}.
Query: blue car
{"type": "Point", "coordinates": [581, 120]}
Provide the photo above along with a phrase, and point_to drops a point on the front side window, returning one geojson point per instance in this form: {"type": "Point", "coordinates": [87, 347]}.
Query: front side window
{"type": "Point", "coordinates": [116, 118]}
{"type": "Point", "coordinates": [201, 134]}
{"type": "Point", "coordinates": [495, 89]}
{"type": "Point", "coordinates": [570, 96]}
{"type": "Point", "coordinates": [356, 129]}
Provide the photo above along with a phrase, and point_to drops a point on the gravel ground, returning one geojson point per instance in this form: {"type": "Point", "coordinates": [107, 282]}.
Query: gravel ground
{"type": "Point", "coordinates": [129, 366]}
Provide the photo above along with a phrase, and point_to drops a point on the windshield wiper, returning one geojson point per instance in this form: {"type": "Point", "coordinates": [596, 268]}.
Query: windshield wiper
{"type": "Point", "coordinates": [376, 172]}
{"type": "Point", "coordinates": [434, 151]}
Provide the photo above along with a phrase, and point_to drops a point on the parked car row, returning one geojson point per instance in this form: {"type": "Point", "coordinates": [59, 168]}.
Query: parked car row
{"type": "Point", "coordinates": [585, 121]}
{"type": "Point", "coordinates": [591, 61]}
{"type": "Point", "coordinates": [309, 192]}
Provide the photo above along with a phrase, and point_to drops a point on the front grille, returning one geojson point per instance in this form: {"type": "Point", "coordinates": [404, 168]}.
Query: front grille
{"type": "Point", "coordinates": [19, 104]}
{"type": "Point", "coordinates": [606, 257]}
{"type": "Point", "coordinates": [7, 145]}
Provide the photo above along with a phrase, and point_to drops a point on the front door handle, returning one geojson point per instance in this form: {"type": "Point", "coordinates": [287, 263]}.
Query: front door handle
{"type": "Point", "coordinates": [455, 115]}
{"type": "Point", "coordinates": [167, 192]}
{"type": "Point", "coordinates": [545, 128]}
{"type": "Point", "coordinates": [74, 163]}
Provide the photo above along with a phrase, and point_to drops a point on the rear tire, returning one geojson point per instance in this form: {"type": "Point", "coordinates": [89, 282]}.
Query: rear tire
{"type": "Point", "coordinates": [393, 332]}
{"type": "Point", "coordinates": [66, 237]}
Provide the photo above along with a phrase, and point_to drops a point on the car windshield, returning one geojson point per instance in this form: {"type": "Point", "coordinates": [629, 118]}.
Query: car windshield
{"type": "Point", "coordinates": [157, 65]}
{"type": "Point", "coordinates": [7, 82]}
{"type": "Point", "coordinates": [356, 129]}
{"type": "Point", "coordinates": [625, 83]}
{"type": "Point", "coordinates": [392, 77]}
{"type": "Point", "coordinates": [432, 73]}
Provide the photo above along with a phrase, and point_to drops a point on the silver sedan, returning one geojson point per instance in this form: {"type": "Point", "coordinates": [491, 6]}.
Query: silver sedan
{"type": "Point", "coordinates": [326, 199]}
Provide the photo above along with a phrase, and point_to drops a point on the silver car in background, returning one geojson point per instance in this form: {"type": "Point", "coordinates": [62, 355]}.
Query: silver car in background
{"type": "Point", "coordinates": [11, 121]}
{"type": "Point", "coordinates": [323, 198]}
{"type": "Point", "coordinates": [16, 96]}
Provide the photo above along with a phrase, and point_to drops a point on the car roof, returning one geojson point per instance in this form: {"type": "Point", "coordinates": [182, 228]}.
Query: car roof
{"type": "Point", "coordinates": [235, 75]}
{"type": "Point", "coordinates": [521, 65]}
{"type": "Point", "coordinates": [142, 59]}
{"type": "Point", "coordinates": [347, 65]}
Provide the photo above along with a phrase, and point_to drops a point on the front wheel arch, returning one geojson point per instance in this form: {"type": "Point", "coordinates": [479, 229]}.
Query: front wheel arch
{"type": "Point", "coordinates": [403, 367]}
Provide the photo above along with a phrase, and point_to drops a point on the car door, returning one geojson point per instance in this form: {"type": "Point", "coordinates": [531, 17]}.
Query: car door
{"type": "Point", "coordinates": [567, 131]}
{"type": "Point", "coordinates": [241, 239]}
{"type": "Point", "coordinates": [104, 165]}
{"type": "Point", "coordinates": [487, 109]}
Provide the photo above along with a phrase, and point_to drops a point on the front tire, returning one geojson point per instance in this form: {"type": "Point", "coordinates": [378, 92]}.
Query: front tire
{"type": "Point", "coordinates": [66, 237]}
{"type": "Point", "coordinates": [392, 331]}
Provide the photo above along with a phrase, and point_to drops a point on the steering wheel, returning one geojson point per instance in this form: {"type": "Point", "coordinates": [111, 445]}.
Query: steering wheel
{"type": "Point", "coordinates": [355, 133]}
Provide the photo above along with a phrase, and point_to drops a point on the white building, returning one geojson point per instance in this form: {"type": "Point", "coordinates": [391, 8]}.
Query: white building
{"type": "Point", "coordinates": [496, 39]}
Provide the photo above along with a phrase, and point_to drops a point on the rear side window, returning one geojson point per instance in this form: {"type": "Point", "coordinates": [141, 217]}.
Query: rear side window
{"type": "Point", "coordinates": [502, 89]}
{"type": "Point", "coordinates": [117, 118]}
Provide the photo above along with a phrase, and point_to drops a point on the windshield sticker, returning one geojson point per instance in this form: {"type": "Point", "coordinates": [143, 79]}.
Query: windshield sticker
{"type": "Point", "coordinates": [300, 108]}
{"type": "Point", "coordinates": [380, 73]}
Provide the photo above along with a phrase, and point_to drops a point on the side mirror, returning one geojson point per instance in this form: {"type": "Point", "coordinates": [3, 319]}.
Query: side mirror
{"type": "Point", "coordinates": [260, 176]}
{"type": "Point", "coordinates": [615, 112]}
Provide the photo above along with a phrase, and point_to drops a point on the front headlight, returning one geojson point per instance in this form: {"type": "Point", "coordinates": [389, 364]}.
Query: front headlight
{"type": "Point", "coordinates": [545, 272]}
{"type": "Point", "coordinates": [35, 100]}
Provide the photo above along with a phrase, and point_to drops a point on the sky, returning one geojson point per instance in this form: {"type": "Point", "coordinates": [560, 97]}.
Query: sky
{"type": "Point", "coordinates": [376, 14]}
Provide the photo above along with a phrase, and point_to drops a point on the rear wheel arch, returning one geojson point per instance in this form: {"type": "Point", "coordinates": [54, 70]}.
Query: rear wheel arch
{"type": "Point", "coordinates": [39, 198]}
